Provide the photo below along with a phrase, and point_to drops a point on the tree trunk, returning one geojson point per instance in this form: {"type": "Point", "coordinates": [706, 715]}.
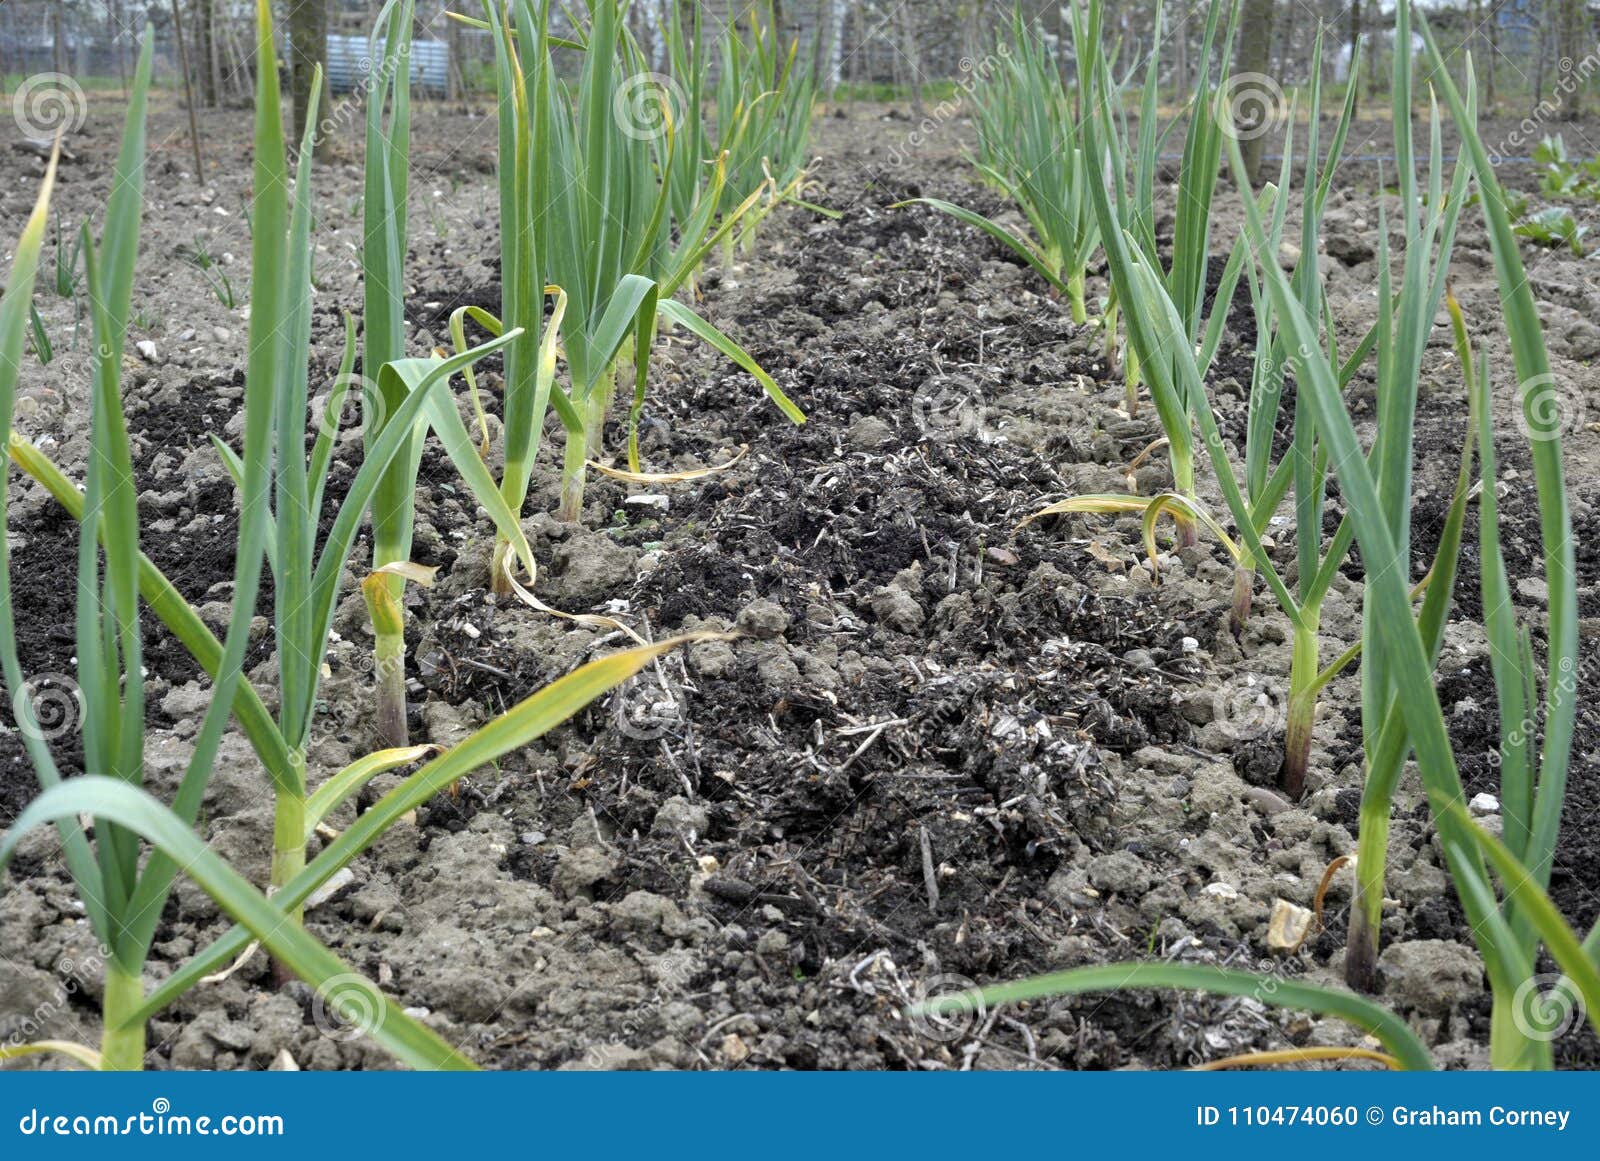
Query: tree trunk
{"type": "Point", "coordinates": [858, 48]}
{"type": "Point", "coordinates": [188, 92]}
{"type": "Point", "coordinates": [1180, 33]}
{"type": "Point", "coordinates": [1054, 21]}
{"type": "Point", "coordinates": [913, 60]}
{"type": "Point", "coordinates": [1544, 53]}
{"type": "Point", "coordinates": [1285, 37]}
{"type": "Point", "coordinates": [820, 46]}
{"type": "Point", "coordinates": [1355, 52]}
{"type": "Point", "coordinates": [457, 71]}
{"type": "Point", "coordinates": [308, 48]}
{"type": "Point", "coordinates": [1572, 49]}
{"type": "Point", "coordinates": [1493, 56]}
{"type": "Point", "coordinates": [59, 49]}
{"type": "Point", "coordinates": [972, 35]}
{"type": "Point", "coordinates": [205, 50]}
{"type": "Point", "coordinates": [1252, 100]}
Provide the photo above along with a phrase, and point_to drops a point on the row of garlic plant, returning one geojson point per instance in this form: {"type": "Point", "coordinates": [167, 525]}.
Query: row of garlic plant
{"type": "Point", "coordinates": [609, 208]}
{"type": "Point", "coordinates": [743, 96]}
{"type": "Point", "coordinates": [281, 500]}
{"type": "Point", "coordinates": [1031, 147]}
{"type": "Point", "coordinates": [1501, 884]}
{"type": "Point", "coordinates": [1029, 150]}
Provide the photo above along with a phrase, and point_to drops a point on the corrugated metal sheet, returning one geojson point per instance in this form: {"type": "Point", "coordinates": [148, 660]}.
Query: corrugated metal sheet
{"type": "Point", "coordinates": [349, 61]}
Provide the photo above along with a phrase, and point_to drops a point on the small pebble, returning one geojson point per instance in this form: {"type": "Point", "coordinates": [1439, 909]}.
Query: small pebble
{"type": "Point", "coordinates": [1288, 927]}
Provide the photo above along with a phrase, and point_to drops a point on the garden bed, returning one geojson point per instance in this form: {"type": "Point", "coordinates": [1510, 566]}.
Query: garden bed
{"type": "Point", "coordinates": [946, 750]}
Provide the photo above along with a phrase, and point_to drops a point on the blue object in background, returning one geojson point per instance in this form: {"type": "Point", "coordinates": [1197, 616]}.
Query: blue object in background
{"type": "Point", "coordinates": [350, 60]}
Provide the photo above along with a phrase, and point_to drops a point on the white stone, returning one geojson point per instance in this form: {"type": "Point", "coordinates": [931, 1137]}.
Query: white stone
{"type": "Point", "coordinates": [1288, 927]}
{"type": "Point", "coordinates": [337, 882]}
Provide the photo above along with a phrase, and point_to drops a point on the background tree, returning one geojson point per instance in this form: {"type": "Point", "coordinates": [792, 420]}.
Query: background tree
{"type": "Point", "coordinates": [203, 31]}
{"type": "Point", "coordinates": [1355, 43]}
{"type": "Point", "coordinates": [308, 48]}
{"type": "Point", "coordinates": [1574, 42]}
{"type": "Point", "coordinates": [1254, 55]}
